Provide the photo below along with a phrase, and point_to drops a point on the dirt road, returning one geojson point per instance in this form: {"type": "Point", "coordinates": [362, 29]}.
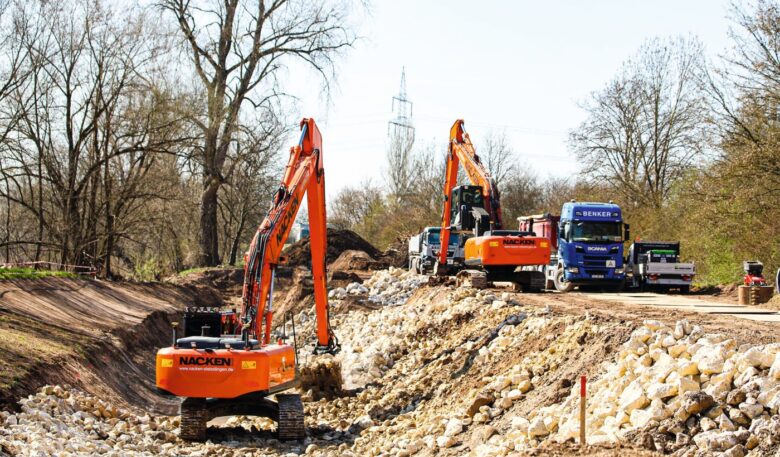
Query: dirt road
{"type": "Point", "coordinates": [689, 304]}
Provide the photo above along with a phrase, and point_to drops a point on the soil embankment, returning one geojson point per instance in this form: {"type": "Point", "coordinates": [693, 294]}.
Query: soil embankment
{"type": "Point", "coordinates": [95, 335]}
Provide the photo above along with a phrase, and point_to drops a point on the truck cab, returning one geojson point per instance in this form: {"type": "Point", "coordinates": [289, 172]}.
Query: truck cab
{"type": "Point", "coordinates": [424, 249]}
{"type": "Point", "coordinates": [590, 245]}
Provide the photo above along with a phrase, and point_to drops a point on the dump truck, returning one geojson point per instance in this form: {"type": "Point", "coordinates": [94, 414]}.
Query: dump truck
{"type": "Point", "coordinates": [656, 265]}
{"type": "Point", "coordinates": [424, 250]}
{"type": "Point", "coordinates": [589, 238]}
{"type": "Point", "coordinates": [546, 226]}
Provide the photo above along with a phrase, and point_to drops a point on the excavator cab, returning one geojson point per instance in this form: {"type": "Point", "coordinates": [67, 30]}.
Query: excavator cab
{"type": "Point", "coordinates": [468, 210]}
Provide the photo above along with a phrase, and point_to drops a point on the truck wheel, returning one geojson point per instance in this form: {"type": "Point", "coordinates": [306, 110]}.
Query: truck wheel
{"type": "Point", "coordinates": [561, 284]}
{"type": "Point", "coordinates": [685, 289]}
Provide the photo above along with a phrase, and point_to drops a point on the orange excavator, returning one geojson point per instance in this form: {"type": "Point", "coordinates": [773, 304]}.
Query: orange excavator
{"type": "Point", "coordinates": [220, 374]}
{"type": "Point", "coordinates": [490, 253]}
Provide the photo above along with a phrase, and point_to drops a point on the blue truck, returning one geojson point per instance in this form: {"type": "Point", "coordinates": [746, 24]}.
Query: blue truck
{"type": "Point", "coordinates": [589, 238]}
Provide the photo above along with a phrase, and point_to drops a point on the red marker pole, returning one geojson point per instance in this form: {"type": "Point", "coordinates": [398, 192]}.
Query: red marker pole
{"type": "Point", "coordinates": [583, 401]}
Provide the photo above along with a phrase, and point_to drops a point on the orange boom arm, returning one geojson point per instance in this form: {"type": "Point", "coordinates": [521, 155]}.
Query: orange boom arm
{"type": "Point", "coordinates": [461, 150]}
{"type": "Point", "coordinates": [304, 174]}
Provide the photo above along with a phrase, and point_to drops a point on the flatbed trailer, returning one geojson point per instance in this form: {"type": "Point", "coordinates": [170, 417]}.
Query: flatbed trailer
{"type": "Point", "coordinates": [656, 265]}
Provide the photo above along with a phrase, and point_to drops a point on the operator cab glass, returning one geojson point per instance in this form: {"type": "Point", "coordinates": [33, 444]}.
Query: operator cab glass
{"type": "Point", "coordinates": [467, 195]}
{"type": "Point", "coordinates": [434, 238]}
{"type": "Point", "coordinates": [585, 231]}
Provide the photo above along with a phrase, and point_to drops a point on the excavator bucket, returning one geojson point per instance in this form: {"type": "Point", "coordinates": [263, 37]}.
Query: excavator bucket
{"type": "Point", "coordinates": [322, 376]}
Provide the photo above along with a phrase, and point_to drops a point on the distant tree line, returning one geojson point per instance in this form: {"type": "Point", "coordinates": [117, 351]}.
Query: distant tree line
{"type": "Point", "coordinates": [689, 148]}
{"type": "Point", "coordinates": [146, 139]}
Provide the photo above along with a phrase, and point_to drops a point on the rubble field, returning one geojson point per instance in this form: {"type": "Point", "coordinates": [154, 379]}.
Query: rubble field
{"type": "Point", "coordinates": [439, 370]}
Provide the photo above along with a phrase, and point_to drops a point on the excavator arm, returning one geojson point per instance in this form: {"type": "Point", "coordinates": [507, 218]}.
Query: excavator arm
{"type": "Point", "coordinates": [461, 151]}
{"type": "Point", "coordinates": [304, 174]}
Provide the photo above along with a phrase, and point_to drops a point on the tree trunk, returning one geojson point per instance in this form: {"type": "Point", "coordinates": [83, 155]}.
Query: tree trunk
{"type": "Point", "coordinates": [209, 239]}
{"type": "Point", "coordinates": [237, 240]}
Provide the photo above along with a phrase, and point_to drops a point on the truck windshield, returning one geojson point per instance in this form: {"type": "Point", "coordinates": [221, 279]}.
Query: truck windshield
{"type": "Point", "coordinates": [597, 231]}
{"type": "Point", "coordinates": [433, 238]}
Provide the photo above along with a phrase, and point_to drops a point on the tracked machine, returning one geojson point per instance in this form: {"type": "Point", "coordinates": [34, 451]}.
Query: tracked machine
{"type": "Point", "coordinates": [491, 254]}
{"type": "Point", "coordinates": [236, 369]}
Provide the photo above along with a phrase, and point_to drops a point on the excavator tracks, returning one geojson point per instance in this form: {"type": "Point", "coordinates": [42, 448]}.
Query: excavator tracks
{"type": "Point", "coordinates": [194, 416]}
{"type": "Point", "coordinates": [472, 278]}
{"type": "Point", "coordinates": [290, 425]}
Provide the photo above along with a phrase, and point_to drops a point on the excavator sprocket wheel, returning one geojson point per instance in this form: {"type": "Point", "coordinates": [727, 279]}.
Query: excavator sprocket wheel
{"type": "Point", "coordinates": [194, 416]}
{"type": "Point", "coordinates": [472, 278]}
{"type": "Point", "coordinates": [290, 425]}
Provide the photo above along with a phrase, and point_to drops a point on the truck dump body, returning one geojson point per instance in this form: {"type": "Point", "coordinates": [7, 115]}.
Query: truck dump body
{"type": "Point", "coordinates": [544, 225]}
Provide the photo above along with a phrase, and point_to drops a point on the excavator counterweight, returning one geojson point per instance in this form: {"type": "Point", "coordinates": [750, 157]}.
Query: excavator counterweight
{"type": "Point", "coordinates": [234, 371]}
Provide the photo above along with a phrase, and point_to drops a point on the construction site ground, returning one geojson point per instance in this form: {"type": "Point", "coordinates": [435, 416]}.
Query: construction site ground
{"type": "Point", "coordinates": [451, 371]}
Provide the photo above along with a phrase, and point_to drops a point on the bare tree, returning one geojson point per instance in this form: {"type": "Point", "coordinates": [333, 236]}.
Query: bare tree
{"type": "Point", "coordinates": [401, 170]}
{"type": "Point", "coordinates": [353, 205]}
{"type": "Point", "coordinates": [648, 125]}
{"type": "Point", "coordinates": [521, 194]}
{"type": "Point", "coordinates": [252, 172]}
{"type": "Point", "coordinates": [87, 128]}
{"type": "Point", "coordinates": [239, 50]}
{"type": "Point", "coordinates": [497, 155]}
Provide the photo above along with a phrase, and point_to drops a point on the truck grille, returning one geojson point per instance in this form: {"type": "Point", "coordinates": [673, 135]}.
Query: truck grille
{"type": "Point", "coordinates": [599, 261]}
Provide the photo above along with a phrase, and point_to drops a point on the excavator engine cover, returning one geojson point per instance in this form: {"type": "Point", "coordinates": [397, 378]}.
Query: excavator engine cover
{"type": "Point", "coordinates": [225, 373]}
{"type": "Point", "coordinates": [505, 248]}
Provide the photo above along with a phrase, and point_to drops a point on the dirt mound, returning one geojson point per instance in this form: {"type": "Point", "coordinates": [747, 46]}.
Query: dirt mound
{"type": "Point", "coordinates": [215, 286]}
{"type": "Point", "coordinates": [356, 260]}
{"type": "Point", "coordinates": [299, 254]}
{"type": "Point", "coordinates": [397, 254]}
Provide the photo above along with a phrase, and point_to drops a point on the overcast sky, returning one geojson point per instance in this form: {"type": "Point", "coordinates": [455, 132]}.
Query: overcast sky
{"type": "Point", "coordinates": [518, 66]}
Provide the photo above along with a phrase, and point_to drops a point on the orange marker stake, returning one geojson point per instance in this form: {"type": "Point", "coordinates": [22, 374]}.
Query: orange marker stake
{"type": "Point", "coordinates": [583, 401]}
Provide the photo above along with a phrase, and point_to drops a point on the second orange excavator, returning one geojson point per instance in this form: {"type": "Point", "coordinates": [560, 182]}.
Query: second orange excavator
{"type": "Point", "coordinates": [491, 254]}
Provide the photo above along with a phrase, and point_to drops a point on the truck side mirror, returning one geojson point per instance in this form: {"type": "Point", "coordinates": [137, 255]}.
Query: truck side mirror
{"type": "Point", "coordinates": [561, 233]}
{"type": "Point", "coordinates": [626, 232]}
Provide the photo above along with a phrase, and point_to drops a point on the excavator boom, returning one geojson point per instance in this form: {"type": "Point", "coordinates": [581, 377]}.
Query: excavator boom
{"type": "Point", "coordinates": [304, 174]}
{"type": "Point", "coordinates": [461, 151]}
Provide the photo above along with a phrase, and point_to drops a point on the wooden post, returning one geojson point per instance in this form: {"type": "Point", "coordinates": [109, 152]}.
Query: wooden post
{"type": "Point", "coordinates": [583, 401]}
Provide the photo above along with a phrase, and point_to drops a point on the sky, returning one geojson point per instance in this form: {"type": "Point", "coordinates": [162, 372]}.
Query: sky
{"type": "Point", "coordinates": [521, 67]}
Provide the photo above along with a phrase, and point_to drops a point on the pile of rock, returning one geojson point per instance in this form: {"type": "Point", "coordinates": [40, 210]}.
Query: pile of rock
{"type": "Point", "coordinates": [675, 390]}
{"type": "Point", "coordinates": [388, 287]}
{"type": "Point", "coordinates": [59, 421]}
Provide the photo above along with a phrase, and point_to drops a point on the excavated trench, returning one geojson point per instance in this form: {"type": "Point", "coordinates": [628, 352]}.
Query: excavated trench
{"type": "Point", "coordinates": [439, 370]}
{"type": "Point", "coordinates": [98, 337]}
